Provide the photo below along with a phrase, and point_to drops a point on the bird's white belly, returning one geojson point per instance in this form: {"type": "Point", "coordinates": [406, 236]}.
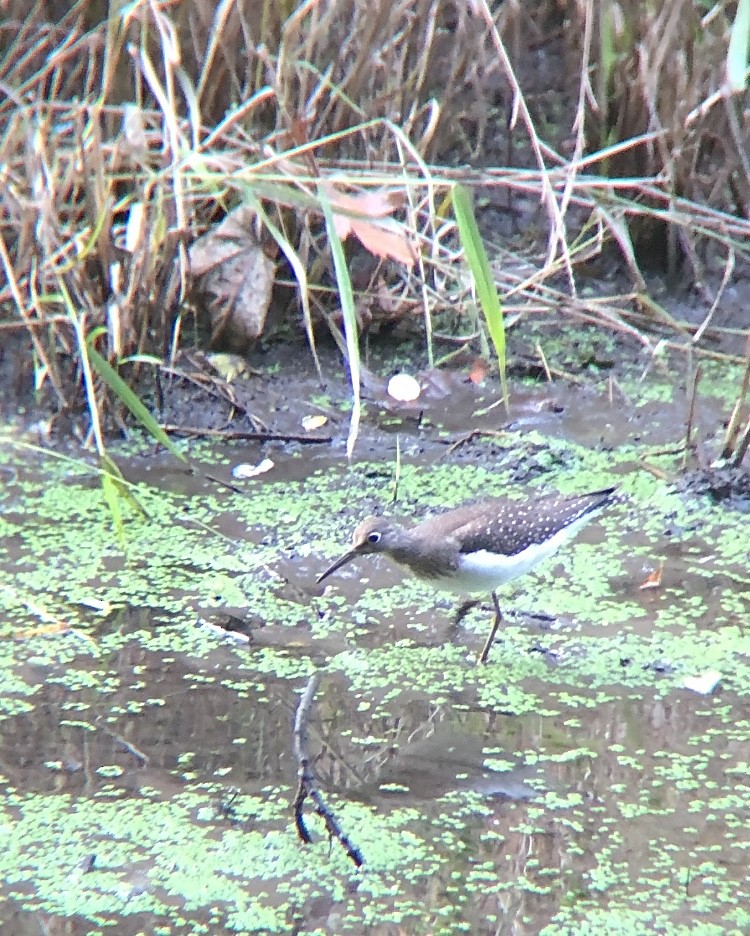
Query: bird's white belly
{"type": "Point", "coordinates": [484, 571]}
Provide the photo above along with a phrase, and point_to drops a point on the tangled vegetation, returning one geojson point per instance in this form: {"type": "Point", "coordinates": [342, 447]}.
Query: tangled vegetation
{"type": "Point", "coordinates": [163, 162]}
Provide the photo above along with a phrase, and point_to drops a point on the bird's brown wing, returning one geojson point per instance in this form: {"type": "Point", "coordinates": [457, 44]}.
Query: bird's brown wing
{"type": "Point", "coordinates": [515, 525]}
{"type": "Point", "coordinates": [451, 521]}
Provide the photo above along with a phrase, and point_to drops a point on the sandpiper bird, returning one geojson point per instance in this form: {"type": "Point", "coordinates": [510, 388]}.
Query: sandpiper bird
{"type": "Point", "coordinates": [477, 547]}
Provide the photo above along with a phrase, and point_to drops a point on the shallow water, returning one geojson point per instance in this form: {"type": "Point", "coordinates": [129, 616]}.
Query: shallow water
{"type": "Point", "coordinates": [572, 785]}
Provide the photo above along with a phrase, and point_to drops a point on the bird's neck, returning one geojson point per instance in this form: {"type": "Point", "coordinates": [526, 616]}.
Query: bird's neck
{"type": "Point", "coordinates": [423, 558]}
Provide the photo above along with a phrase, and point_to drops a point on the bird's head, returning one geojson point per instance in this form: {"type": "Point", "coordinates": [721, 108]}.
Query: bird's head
{"type": "Point", "coordinates": [372, 535]}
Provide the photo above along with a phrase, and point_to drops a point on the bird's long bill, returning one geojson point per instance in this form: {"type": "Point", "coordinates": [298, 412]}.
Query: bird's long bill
{"type": "Point", "coordinates": [342, 560]}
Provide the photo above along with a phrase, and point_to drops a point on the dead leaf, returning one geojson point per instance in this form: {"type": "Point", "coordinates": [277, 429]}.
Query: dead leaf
{"type": "Point", "coordinates": [313, 422]}
{"type": "Point", "coordinates": [237, 276]}
{"type": "Point", "coordinates": [703, 684]}
{"type": "Point", "coordinates": [229, 366]}
{"type": "Point", "coordinates": [366, 215]}
{"type": "Point", "coordinates": [479, 370]}
{"type": "Point", "coordinates": [44, 630]}
{"type": "Point", "coordinates": [96, 604]}
{"type": "Point", "coordinates": [223, 632]}
{"type": "Point", "coordinates": [654, 579]}
{"type": "Point", "coordinates": [373, 204]}
{"type": "Point", "coordinates": [244, 471]}
{"type": "Point", "coordinates": [384, 243]}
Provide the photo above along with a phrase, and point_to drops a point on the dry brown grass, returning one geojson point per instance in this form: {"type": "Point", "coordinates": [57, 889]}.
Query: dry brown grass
{"type": "Point", "coordinates": [121, 141]}
{"type": "Point", "coordinates": [652, 77]}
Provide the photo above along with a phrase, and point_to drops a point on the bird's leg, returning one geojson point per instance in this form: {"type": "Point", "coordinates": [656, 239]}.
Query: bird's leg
{"type": "Point", "coordinates": [495, 624]}
{"type": "Point", "coordinates": [463, 610]}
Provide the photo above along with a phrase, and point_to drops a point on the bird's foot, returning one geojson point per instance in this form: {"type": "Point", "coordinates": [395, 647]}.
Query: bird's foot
{"type": "Point", "coordinates": [463, 610]}
{"type": "Point", "coordinates": [540, 618]}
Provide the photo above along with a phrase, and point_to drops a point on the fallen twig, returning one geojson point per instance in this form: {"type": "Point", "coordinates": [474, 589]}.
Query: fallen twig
{"type": "Point", "coordinates": [232, 434]}
{"type": "Point", "coordinates": [307, 785]}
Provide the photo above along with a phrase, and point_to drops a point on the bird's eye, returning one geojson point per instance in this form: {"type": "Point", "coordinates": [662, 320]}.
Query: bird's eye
{"type": "Point", "coordinates": [374, 537]}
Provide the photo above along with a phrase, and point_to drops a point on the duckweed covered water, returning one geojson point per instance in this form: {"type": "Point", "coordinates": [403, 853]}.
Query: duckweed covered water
{"type": "Point", "coordinates": [573, 785]}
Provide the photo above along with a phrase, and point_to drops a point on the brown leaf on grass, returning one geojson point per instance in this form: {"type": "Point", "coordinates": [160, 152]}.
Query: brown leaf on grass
{"type": "Point", "coordinates": [374, 204]}
{"type": "Point", "coordinates": [384, 243]}
{"type": "Point", "coordinates": [653, 580]}
{"type": "Point", "coordinates": [367, 217]}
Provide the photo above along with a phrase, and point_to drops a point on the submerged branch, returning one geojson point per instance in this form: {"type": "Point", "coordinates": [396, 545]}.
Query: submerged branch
{"type": "Point", "coordinates": [307, 785]}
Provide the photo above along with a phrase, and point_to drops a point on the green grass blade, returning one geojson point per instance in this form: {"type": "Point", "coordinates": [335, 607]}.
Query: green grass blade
{"type": "Point", "coordinates": [111, 491]}
{"type": "Point", "coordinates": [346, 296]}
{"type": "Point", "coordinates": [484, 282]}
{"type": "Point", "coordinates": [739, 40]}
{"type": "Point", "coordinates": [123, 392]}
